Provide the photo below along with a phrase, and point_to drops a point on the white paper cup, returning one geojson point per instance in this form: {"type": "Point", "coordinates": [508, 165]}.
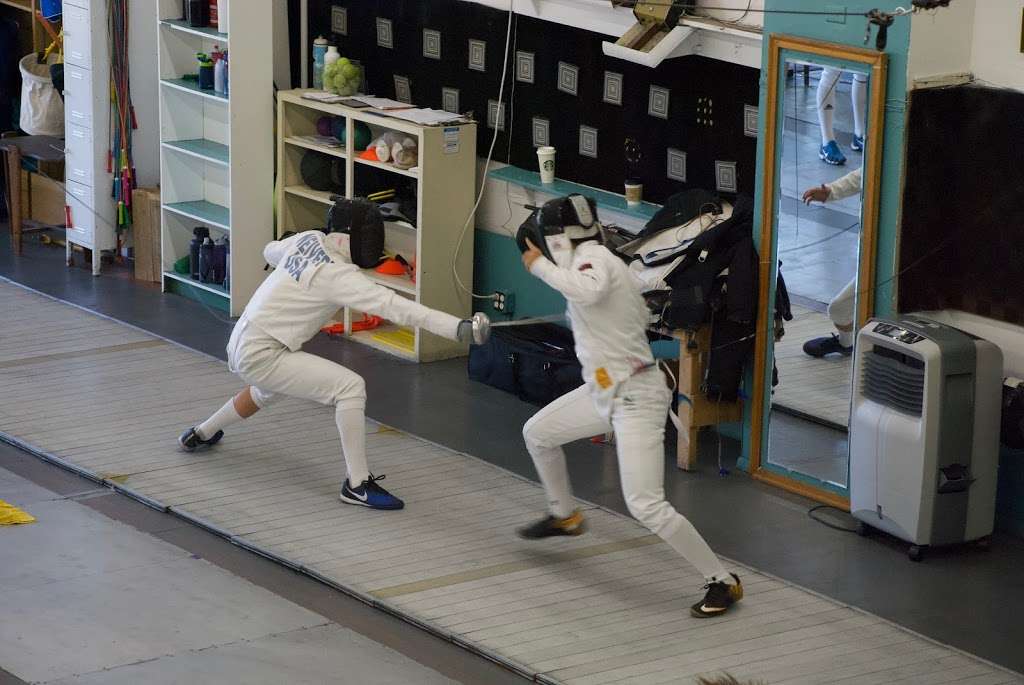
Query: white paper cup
{"type": "Point", "coordinates": [546, 163]}
{"type": "Point", "coordinates": [634, 193]}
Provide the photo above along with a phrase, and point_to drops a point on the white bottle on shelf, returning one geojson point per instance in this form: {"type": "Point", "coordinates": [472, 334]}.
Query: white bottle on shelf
{"type": "Point", "coordinates": [222, 16]}
{"type": "Point", "coordinates": [330, 57]}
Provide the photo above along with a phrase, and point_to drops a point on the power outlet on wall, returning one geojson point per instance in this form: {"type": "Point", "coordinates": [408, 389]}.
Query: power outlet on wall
{"type": "Point", "coordinates": [504, 301]}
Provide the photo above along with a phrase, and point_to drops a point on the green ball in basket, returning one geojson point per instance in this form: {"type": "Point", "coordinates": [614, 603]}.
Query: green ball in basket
{"type": "Point", "coordinates": [343, 77]}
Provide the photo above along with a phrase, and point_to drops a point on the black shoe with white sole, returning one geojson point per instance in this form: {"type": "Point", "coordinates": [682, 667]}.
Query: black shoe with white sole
{"type": "Point", "coordinates": [371, 495]}
{"type": "Point", "coordinates": [720, 596]}
{"type": "Point", "coordinates": [820, 347]}
{"type": "Point", "coordinates": [190, 440]}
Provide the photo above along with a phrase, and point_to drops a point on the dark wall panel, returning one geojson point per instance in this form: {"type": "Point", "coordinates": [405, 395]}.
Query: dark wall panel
{"type": "Point", "coordinates": [729, 86]}
{"type": "Point", "coordinates": [962, 236]}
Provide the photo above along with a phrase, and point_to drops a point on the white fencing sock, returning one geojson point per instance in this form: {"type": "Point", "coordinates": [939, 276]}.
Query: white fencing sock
{"type": "Point", "coordinates": [352, 427]}
{"type": "Point", "coordinates": [859, 94]}
{"type": "Point", "coordinates": [827, 102]}
{"type": "Point", "coordinates": [692, 547]}
{"type": "Point", "coordinates": [221, 419]}
{"type": "Point", "coordinates": [845, 337]}
{"type": "Point", "coordinates": [554, 476]}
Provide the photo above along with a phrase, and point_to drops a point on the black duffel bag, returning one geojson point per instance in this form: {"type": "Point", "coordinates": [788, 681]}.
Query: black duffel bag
{"type": "Point", "coordinates": [535, 362]}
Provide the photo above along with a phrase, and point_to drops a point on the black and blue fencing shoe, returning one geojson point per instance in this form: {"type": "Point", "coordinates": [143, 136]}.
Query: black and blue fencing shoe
{"type": "Point", "coordinates": [370, 494]}
{"type": "Point", "coordinates": [820, 347]}
{"type": "Point", "coordinates": [190, 440]}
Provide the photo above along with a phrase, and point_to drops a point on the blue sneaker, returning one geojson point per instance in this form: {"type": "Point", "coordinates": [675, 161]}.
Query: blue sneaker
{"type": "Point", "coordinates": [857, 144]}
{"type": "Point", "coordinates": [831, 154]}
{"type": "Point", "coordinates": [369, 494]}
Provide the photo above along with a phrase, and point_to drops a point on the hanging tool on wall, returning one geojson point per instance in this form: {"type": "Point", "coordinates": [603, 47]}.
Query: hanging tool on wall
{"type": "Point", "coordinates": [654, 20]}
{"type": "Point", "coordinates": [120, 161]}
{"type": "Point", "coordinates": [883, 20]}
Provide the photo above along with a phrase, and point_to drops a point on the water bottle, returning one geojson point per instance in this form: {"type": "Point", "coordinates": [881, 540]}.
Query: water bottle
{"type": "Point", "coordinates": [220, 73]}
{"type": "Point", "coordinates": [227, 264]}
{"type": "Point", "coordinates": [206, 261]}
{"type": "Point", "coordinates": [199, 234]}
{"type": "Point", "coordinates": [220, 253]}
{"type": "Point", "coordinates": [222, 16]}
{"type": "Point", "coordinates": [330, 57]}
{"type": "Point", "coordinates": [319, 52]}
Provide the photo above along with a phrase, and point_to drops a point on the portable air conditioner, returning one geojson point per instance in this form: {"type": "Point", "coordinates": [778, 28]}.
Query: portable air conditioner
{"type": "Point", "coordinates": [924, 432]}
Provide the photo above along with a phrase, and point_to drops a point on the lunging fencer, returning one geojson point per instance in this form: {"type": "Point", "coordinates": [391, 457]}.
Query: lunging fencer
{"type": "Point", "coordinates": [313, 278]}
{"type": "Point", "coordinates": [624, 390]}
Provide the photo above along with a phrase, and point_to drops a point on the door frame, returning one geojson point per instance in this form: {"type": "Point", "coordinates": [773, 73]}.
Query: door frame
{"type": "Point", "coordinates": [875, 63]}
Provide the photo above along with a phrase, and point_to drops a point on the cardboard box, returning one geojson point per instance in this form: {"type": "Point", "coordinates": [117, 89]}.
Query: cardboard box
{"type": "Point", "coordinates": [146, 229]}
{"type": "Point", "coordinates": [41, 199]}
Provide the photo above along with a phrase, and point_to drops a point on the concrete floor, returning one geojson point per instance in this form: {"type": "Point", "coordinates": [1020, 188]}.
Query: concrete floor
{"type": "Point", "coordinates": [741, 518]}
{"type": "Point", "coordinates": [131, 595]}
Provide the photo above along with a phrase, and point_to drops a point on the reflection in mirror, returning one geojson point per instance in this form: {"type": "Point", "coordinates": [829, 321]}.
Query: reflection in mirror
{"type": "Point", "coordinates": [818, 214]}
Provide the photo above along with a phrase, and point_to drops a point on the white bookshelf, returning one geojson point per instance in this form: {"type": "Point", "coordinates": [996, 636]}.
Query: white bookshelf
{"type": "Point", "coordinates": [216, 151]}
{"type": "Point", "coordinates": [445, 182]}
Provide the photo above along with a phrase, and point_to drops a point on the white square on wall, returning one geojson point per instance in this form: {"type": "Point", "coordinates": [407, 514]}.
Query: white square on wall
{"type": "Point", "coordinates": [431, 44]}
{"type": "Point", "coordinates": [385, 38]}
{"type": "Point", "coordinates": [568, 78]}
{"type": "Point", "coordinates": [676, 165]}
{"type": "Point", "coordinates": [403, 91]}
{"type": "Point", "coordinates": [750, 121]}
{"type": "Point", "coordinates": [541, 132]}
{"type": "Point", "coordinates": [612, 88]}
{"type": "Point", "coordinates": [524, 66]}
{"type": "Point", "coordinates": [339, 20]}
{"type": "Point", "coordinates": [477, 55]}
{"type": "Point", "coordinates": [450, 100]}
{"type": "Point", "coordinates": [495, 115]}
{"type": "Point", "coordinates": [588, 141]}
{"type": "Point", "coordinates": [725, 177]}
{"type": "Point", "coordinates": [657, 102]}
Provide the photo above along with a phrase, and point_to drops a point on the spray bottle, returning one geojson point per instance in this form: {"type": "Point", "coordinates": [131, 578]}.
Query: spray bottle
{"type": "Point", "coordinates": [220, 72]}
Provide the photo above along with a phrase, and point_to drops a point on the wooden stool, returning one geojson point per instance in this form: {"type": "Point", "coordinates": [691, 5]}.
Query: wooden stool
{"type": "Point", "coordinates": [695, 409]}
{"type": "Point", "coordinates": [40, 149]}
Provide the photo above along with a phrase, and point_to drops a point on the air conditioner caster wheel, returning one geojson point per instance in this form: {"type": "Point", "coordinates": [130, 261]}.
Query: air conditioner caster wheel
{"type": "Point", "coordinates": [916, 552]}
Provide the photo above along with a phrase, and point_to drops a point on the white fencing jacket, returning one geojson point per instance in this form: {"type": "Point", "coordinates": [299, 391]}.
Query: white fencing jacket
{"type": "Point", "coordinates": [845, 186]}
{"type": "Point", "coordinates": [313, 278]}
{"type": "Point", "coordinates": [608, 317]}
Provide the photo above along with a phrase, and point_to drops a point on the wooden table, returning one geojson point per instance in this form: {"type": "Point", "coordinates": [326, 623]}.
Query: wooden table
{"type": "Point", "coordinates": [39, 149]}
{"type": "Point", "coordinates": [695, 409]}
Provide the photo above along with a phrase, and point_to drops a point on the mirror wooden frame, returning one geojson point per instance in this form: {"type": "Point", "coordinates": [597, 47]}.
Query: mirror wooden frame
{"type": "Point", "coordinates": [876, 63]}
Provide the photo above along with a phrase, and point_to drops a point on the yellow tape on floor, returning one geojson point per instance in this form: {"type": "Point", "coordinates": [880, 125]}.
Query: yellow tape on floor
{"type": "Point", "coordinates": [11, 515]}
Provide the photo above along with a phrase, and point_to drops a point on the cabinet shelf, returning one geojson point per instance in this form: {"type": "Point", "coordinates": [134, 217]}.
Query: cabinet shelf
{"type": "Point", "coordinates": [190, 86]}
{"type": "Point", "coordinates": [322, 196]}
{"type": "Point", "coordinates": [208, 287]}
{"type": "Point", "coordinates": [202, 31]}
{"type": "Point", "coordinates": [215, 153]}
{"type": "Point", "coordinates": [332, 151]}
{"type": "Point", "coordinates": [413, 173]}
{"type": "Point", "coordinates": [402, 284]}
{"type": "Point", "coordinates": [204, 211]}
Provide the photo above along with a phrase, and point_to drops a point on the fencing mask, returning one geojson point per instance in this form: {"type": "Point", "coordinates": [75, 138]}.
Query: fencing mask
{"type": "Point", "coordinates": [362, 220]}
{"type": "Point", "coordinates": [557, 226]}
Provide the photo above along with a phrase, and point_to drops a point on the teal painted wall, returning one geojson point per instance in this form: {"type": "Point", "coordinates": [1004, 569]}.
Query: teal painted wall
{"type": "Point", "coordinates": [851, 33]}
{"type": "Point", "coordinates": [499, 266]}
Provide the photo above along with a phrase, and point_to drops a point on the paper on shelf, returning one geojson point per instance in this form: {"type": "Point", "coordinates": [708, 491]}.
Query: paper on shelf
{"type": "Point", "coordinates": [426, 116]}
{"type": "Point", "coordinates": [383, 103]}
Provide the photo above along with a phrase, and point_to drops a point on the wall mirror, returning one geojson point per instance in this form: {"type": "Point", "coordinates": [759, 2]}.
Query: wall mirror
{"type": "Point", "coordinates": [822, 154]}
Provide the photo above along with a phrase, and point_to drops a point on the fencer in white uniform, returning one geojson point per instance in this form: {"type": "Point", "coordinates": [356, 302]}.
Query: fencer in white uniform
{"type": "Point", "coordinates": [314, 277]}
{"type": "Point", "coordinates": [829, 152]}
{"type": "Point", "coordinates": [624, 390]}
{"type": "Point", "coordinates": [841, 307]}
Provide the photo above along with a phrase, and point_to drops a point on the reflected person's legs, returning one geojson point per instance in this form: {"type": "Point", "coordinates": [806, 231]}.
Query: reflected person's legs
{"type": "Point", "coordinates": [841, 311]}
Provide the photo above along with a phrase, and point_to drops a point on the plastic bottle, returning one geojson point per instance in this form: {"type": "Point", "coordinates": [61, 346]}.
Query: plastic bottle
{"type": "Point", "coordinates": [220, 252]}
{"type": "Point", "coordinates": [319, 52]}
{"type": "Point", "coordinates": [227, 69]}
{"type": "Point", "coordinates": [222, 16]}
{"type": "Point", "coordinates": [206, 261]}
{"type": "Point", "coordinates": [213, 13]}
{"type": "Point", "coordinates": [330, 57]}
{"type": "Point", "coordinates": [199, 234]}
{"type": "Point", "coordinates": [220, 72]}
{"type": "Point", "coordinates": [205, 71]}
{"type": "Point", "coordinates": [197, 13]}
{"type": "Point", "coordinates": [227, 264]}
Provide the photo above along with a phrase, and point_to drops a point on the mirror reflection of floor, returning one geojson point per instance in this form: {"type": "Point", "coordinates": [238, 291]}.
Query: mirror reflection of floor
{"type": "Point", "coordinates": [808, 448]}
{"type": "Point", "coordinates": [815, 387]}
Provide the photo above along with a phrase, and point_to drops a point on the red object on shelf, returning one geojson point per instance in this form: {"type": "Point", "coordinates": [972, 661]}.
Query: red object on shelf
{"type": "Point", "coordinates": [367, 323]}
{"type": "Point", "coordinates": [213, 14]}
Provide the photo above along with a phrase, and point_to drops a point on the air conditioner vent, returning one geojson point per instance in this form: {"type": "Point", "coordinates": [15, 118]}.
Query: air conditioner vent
{"type": "Point", "coordinates": [893, 379]}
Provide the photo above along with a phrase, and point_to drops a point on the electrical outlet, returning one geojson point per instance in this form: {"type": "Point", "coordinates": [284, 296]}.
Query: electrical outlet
{"type": "Point", "coordinates": [504, 301]}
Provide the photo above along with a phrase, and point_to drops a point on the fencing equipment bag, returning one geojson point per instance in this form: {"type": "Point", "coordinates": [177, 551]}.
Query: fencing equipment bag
{"type": "Point", "coordinates": [535, 362]}
{"type": "Point", "coordinates": [362, 220]}
{"type": "Point", "coordinates": [558, 224]}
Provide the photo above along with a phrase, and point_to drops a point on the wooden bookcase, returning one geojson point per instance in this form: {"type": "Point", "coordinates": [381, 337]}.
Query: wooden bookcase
{"type": "Point", "coordinates": [445, 184]}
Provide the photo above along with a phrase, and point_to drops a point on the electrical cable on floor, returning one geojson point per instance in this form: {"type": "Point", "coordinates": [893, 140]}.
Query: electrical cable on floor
{"type": "Point", "coordinates": [833, 526]}
{"type": "Point", "coordinates": [487, 164]}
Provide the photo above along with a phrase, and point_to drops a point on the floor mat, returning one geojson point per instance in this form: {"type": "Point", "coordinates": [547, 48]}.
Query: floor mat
{"type": "Point", "coordinates": [608, 607]}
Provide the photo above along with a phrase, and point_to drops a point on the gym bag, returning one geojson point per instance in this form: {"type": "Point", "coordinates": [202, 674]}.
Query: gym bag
{"type": "Point", "coordinates": [535, 362]}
